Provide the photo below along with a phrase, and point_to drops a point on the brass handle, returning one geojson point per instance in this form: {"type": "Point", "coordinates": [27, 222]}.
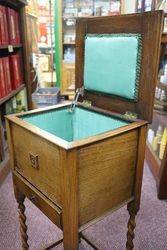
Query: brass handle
{"type": "Point", "coordinates": [34, 160]}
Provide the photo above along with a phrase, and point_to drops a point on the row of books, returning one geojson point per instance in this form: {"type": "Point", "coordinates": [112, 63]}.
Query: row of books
{"type": "Point", "coordinates": [11, 76]}
{"type": "Point", "coordinates": [9, 26]}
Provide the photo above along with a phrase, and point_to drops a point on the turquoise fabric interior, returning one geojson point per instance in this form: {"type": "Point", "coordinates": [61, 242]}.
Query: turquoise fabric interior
{"type": "Point", "coordinates": [78, 125]}
{"type": "Point", "coordinates": [112, 64]}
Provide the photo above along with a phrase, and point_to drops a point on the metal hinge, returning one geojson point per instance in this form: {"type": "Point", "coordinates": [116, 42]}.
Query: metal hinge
{"type": "Point", "coordinates": [131, 115]}
{"type": "Point", "coordinates": [87, 103]}
{"type": "Point", "coordinates": [79, 92]}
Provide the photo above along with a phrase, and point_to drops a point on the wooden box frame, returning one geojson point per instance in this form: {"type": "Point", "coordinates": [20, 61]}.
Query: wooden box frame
{"type": "Point", "coordinates": [133, 23]}
{"type": "Point", "coordinates": [86, 179]}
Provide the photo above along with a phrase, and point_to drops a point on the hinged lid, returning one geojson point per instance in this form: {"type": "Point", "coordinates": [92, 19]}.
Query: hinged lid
{"type": "Point", "coordinates": [117, 60]}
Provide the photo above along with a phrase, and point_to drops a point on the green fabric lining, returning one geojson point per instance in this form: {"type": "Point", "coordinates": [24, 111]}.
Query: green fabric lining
{"type": "Point", "coordinates": [112, 64]}
{"type": "Point", "coordinates": [58, 122]}
{"type": "Point", "coordinates": [78, 125]}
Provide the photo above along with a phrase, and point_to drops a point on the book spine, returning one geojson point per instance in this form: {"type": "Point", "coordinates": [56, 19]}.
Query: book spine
{"type": "Point", "coordinates": [12, 72]}
{"type": "Point", "coordinates": [2, 79]}
{"type": "Point", "coordinates": [7, 75]}
{"type": "Point", "coordinates": [6, 26]}
{"type": "Point", "coordinates": [11, 25]}
{"type": "Point", "coordinates": [2, 25]}
{"type": "Point", "coordinates": [13, 22]}
{"type": "Point", "coordinates": [1, 94]}
{"type": "Point", "coordinates": [17, 27]}
{"type": "Point", "coordinates": [20, 69]}
{"type": "Point", "coordinates": [4, 74]}
{"type": "Point", "coordinates": [15, 70]}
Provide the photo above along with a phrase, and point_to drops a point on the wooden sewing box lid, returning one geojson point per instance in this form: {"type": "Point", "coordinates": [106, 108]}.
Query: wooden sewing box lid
{"type": "Point", "coordinates": [117, 60]}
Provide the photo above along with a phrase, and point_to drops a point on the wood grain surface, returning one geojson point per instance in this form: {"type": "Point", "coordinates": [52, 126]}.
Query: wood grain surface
{"type": "Point", "coordinates": [47, 178]}
{"type": "Point", "coordinates": [53, 212]}
{"type": "Point", "coordinates": [70, 199]}
{"type": "Point", "coordinates": [106, 175]}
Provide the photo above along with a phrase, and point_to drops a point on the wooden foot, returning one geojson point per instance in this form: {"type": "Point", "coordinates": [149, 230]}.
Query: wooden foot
{"type": "Point", "coordinates": [23, 227]}
{"type": "Point", "coordinates": [130, 233]}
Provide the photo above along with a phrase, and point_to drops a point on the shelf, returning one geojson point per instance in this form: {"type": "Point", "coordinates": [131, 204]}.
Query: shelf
{"type": "Point", "coordinates": [69, 43]}
{"type": "Point", "coordinates": [14, 3]}
{"type": "Point", "coordinates": [162, 103]}
{"type": "Point", "coordinates": [153, 161]}
{"type": "Point", "coordinates": [161, 119]}
{"type": "Point", "coordinates": [13, 93]}
{"type": "Point", "coordinates": [17, 46]}
{"type": "Point", "coordinates": [69, 63]}
{"type": "Point", "coordinates": [154, 154]}
{"type": "Point", "coordinates": [75, 17]}
{"type": "Point", "coordinates": [162, 85]}
{"type": "Point", "coordinates": [69, 17]}
{"type": "Point", "coordinates": [32, 15]}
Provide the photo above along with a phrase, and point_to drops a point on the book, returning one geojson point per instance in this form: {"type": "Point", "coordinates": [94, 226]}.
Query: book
{"type": "Point", "coordinates": [20, 69]}
{"type": "Point", "coordinates": [16, 70]}
{"type": "Point", "coordinates": [18, 40]}
{"type": "Point", "coordinates": [2, 80]}
{"type": "Point", "coordinates": [6, 68]}
{"type": "Point", "coordinates": [6, 33]}
{"type": "Point", "coordinates": [2, 26]}
{"type": "Point", "coordinates": [11, 25]}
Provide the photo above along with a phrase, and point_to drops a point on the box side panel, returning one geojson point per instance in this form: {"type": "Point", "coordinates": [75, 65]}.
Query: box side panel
{"type": "Point", "coordinates": [37, 160]}
{"type": "Point", "coordinates": [106, 175]}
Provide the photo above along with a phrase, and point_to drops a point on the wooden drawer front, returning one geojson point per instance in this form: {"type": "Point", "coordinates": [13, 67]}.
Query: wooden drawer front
{"type": "Point", "coordinates": [39, 200]}
{"type": "Point", "coordinates": [106, 175]}
{"type": "Point", "coordinates": [38, 161]}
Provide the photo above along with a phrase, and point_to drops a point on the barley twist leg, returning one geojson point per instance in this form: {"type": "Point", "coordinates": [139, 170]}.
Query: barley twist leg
{"type": "Point", "coordinates": [23, 227]}
{"type": "Point", "coordinates": [130, 233]}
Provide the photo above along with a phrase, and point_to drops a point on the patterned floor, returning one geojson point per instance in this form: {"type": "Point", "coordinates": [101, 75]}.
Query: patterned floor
{"type": "Point", "coordinates": [109, 234]}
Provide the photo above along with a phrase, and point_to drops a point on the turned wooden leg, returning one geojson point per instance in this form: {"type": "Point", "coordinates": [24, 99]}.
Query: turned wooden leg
{"type": "Point", "coordinates": [134, 206]}
{"type": "Point", "coordinates": [22, 218]}
{"type": "Point", "coordinates": [23, 226]}
{"type": "Point", "coordinates": [130, 232]}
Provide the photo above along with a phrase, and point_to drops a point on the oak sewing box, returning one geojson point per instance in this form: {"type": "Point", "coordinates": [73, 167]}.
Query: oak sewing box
{"type": "Point", "coordinates": [77, 162]}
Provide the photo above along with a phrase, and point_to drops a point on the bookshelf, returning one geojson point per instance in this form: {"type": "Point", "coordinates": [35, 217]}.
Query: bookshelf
{"type": "Point", "coordinates": [12, 94]}
{"type": "Point", "coordinates": [66, 13]}
{"type": "Point", "coordinates": [7, 50]}
{"type": "Point", "coordinates": [2, 47]}
{"type": "Point", "coordinates": [158, 166]}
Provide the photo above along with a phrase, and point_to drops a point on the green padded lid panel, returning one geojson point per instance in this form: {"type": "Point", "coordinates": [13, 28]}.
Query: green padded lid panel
{"type": "Point", "coordinates": [78, 125]}
{"type": "Point", "coordinates": [112, 64]}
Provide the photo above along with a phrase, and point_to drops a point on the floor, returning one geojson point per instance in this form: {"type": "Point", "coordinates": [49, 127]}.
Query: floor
{"type": "Point", "coordinates": [110, 233]}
